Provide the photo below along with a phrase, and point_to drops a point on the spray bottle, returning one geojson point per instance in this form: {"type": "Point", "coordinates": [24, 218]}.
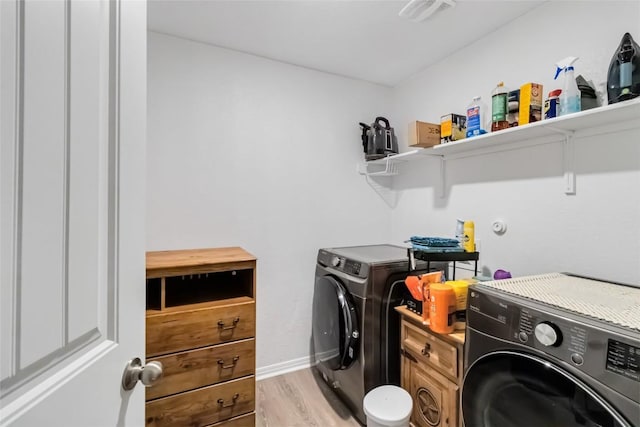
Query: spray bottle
{"type": "Point", "coordinates": [570, 95]}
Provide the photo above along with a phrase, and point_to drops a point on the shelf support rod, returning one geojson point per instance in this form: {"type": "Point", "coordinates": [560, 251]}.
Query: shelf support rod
{"type": "Point", "coordinates": [568, 160]}
{"type": "Point", "coordinates": [442, 189]}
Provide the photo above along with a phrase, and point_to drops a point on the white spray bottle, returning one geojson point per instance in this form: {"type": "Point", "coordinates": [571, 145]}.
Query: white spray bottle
{"type": "Point", "coordinates": [570, 95]}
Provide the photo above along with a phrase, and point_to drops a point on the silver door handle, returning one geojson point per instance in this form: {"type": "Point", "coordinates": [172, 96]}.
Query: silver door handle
{"type": "Point", "coordinates": [134, 371]}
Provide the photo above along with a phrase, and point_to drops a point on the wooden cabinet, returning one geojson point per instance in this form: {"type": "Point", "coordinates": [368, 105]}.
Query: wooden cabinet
{"type": "Point", "coordinates": [432, 371]}
{"type": "Point", "coordinates": [200, 324]}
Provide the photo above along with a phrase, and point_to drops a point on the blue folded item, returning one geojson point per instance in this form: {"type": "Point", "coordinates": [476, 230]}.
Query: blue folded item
{"type": "Point", "coordinates": [424, 248]}
{"type": "Point", "coordinates": [434, 242]}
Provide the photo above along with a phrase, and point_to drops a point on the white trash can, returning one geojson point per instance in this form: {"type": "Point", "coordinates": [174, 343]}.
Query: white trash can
{"type": "Point", "coordinates": [388, 406]}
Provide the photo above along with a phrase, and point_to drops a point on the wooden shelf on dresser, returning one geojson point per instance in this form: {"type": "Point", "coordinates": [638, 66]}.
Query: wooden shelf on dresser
{"type": "Point", "coordinates": [201, 326]}
{"type": "Point", "coordinates": [431, 371]}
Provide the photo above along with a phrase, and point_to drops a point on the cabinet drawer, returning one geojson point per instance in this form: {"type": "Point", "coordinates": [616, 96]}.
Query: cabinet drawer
{"type": "Point", "coordinates": [435, 400]}
{"type": "Point", "coordinates": [430, 349]}
{"type": "Point", "coordinates": [198, 368]}
{"type": "Point", "coordinates": [248, 420]}
{"type": "Point", "coordinates": [187, 329]}
{"type": "Point", "coordinates": [203, 406]}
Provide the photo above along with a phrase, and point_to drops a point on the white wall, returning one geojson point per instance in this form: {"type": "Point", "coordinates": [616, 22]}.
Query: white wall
{"type": "Point", "coordinates": [595, 232]}
{"type": "Point", "coordinates": [244, 151]}
{"type": "Point", "coordinates": [251, 152]}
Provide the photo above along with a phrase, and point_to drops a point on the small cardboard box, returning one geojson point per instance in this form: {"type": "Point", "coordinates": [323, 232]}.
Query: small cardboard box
{"type": "Point", "coordinates": [453, 127]}
{"type": "Point", "coordinates": [530, 103]}
{"type": "Point", "coordinates": [423, 134]}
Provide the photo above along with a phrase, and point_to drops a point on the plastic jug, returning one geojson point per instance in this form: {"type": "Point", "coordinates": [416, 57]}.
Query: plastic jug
{"type": "Point", "coordinates": [442, 308]}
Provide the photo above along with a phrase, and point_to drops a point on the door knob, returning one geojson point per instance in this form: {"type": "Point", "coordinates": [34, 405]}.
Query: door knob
{"type": "Point", "coordinates": [134, 371]}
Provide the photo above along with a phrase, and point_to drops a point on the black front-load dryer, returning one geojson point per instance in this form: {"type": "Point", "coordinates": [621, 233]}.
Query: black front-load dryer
{"type": "Point", "coordinates": [355, 328]}
{"type": "Point", "coordinates": [552, 350]}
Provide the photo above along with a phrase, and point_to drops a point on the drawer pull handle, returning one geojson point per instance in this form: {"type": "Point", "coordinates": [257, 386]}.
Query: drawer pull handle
{"type": "Point", "coordinates": [231, 403]}
{"type": "Point", "coordinates": [231, 366]}
{"type": "Point", "coordinates": [425, 351]}
{"type": "Point", "coordinates": [222, 327]}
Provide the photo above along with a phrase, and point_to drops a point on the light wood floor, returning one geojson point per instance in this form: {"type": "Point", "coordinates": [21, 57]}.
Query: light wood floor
{"type": "Point", "coordinates": [300, 398]}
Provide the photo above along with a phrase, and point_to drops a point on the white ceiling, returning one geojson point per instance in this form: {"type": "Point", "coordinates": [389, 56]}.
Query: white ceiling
{"type": "Point", "coordinates": [362, 39]}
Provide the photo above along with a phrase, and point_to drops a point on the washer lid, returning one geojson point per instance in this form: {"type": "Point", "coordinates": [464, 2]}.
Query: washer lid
{"type": "Point", "coordinates": [373, 253]}
{"type": "Point", "coordinates": [388, 404]}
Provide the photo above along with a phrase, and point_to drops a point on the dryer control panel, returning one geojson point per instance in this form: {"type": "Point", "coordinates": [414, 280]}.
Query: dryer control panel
{"type": "Point", "coordinates": [623, 359]}
{"type": "Point", "coordinates": [345, 265]}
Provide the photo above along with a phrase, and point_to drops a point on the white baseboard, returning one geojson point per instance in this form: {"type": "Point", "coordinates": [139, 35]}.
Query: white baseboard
{"type": "Point", "coordinates": [282, 368]}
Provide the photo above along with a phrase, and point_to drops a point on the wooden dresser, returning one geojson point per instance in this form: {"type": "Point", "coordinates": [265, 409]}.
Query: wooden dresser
{"type": "Point", "coordinates": [431, 371]}
{"type": "Point", "coordinates": [200, 325]}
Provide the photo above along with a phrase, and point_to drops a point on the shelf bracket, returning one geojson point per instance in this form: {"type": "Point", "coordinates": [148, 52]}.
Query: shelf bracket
{"type": "Point", "coordinates": [568, 160]}
{"type": "Point", "coordinates": [390, 168]}
{"type": "Point", "coordinates": [386, 192]}
{"type": "Point", "coordinates": [442, 188]}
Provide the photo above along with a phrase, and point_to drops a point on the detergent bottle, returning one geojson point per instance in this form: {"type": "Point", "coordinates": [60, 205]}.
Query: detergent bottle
{"type": "Point", "coordinates": [499, 108]}
{"type": "Point", "coordinates": [442, 308]}
{"type": "Point", "coordinates": [476, 117]}
{"type": "Point", "coordinates": [570, 95]}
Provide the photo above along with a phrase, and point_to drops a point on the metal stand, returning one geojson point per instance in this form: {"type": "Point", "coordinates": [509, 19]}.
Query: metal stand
{"type": "Point", "coordinates": [442, 257]}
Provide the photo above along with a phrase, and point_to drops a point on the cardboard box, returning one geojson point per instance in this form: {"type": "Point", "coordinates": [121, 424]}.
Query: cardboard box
{"type": "Point", "coordinates": [453, 127]}
{"type": "Point", "coordinates": [530, 103]}
{"type": "Point", "coordinates": [423, 134]}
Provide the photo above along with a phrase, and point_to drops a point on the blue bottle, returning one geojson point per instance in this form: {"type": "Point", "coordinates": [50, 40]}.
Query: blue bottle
{"type": "Point", "coordinates": [476, 117]}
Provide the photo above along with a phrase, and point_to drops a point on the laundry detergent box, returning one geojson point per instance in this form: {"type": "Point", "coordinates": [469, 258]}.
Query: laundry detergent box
{"type": "Point", "coordinates": [453, 127]}
{"type": "Point", "coordinates": [530, 103]}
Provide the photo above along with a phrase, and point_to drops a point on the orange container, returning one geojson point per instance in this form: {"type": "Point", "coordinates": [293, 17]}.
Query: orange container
{"type": "Point", "coordinates": [442, 308]}
{"type": "Point", "coordinates": [419, 288]}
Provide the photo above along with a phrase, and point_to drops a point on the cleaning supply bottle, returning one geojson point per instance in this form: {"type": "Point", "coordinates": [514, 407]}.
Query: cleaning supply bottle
{"type": "Point", "coordinates": [623, 79]}
{"type": "Point", "coordinates": [476, 117]}
{"type": "Point", "coordinates": [499, 108]}
{"type": "Point", "coordinates": [551, 106]}
{"type": "Point", "coordinates": [469, 242]}
{"type": "Point", "coordinates": [570, 95]}
{"type": "Point", "coordinates": [442, 308]}
{"type": "Point", "coordinates": [460, 231]}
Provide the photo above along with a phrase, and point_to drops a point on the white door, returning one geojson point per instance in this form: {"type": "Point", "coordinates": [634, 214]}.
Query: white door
{"type": "Point", "coordinates": [73, 119]}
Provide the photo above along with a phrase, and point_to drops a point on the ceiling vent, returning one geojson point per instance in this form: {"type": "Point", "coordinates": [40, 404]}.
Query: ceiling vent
{"type": "Point", "coordinates": [419, 10]}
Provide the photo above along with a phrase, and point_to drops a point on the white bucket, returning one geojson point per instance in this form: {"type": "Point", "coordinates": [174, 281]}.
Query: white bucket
{"type": "Point", "coordinates": [388, 406]}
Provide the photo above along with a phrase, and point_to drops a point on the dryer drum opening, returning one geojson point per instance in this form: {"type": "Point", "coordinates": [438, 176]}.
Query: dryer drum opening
{"type": "Point", "coordinates": [508, 388]}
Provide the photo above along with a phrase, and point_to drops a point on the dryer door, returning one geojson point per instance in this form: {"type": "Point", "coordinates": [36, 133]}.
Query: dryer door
{"type": "Point", "coordinates": [335, 324]}
{"type": "Point", "coordinates": [514, 389]}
